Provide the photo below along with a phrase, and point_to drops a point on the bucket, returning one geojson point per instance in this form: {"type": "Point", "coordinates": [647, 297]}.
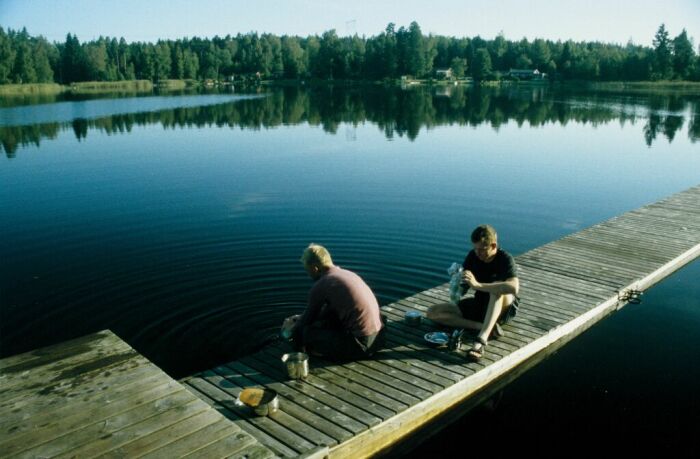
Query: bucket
{"type": "Point", "coordinates": [297, 364]}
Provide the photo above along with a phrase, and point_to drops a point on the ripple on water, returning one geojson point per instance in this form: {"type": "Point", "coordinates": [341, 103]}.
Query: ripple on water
{"type": "Point", "coordinates": [219, 294]}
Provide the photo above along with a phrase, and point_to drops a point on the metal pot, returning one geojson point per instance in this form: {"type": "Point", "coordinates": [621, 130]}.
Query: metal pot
{"type": "Point", "coordinates": [269, 407]}
{"type": "Point", "coordinates": [262, 401]}
{"type": "Point", "coordinates": [297, 364]}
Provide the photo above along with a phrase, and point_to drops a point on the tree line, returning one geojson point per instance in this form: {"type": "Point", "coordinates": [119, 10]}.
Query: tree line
{"type": "Point", "coordinates": [395, 112]}
{"type": "Point", "coordinates": [388, 55]}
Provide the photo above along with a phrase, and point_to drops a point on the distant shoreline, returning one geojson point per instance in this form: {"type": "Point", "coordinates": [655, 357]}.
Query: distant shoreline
{"type": "Point", "coordinates": [93, 87]}
{"type": "Point", "coordinates": [143, 86]}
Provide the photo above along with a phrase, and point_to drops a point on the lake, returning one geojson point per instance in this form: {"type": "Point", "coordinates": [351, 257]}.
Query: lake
{"type": "Point", "coordinates": [177, 221]}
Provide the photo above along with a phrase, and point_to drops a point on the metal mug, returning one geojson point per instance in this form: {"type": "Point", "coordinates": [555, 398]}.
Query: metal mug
{"type": "Point", "coordinates": [413, 317]}
{"type": "Point", "coordinates": [297, 364]}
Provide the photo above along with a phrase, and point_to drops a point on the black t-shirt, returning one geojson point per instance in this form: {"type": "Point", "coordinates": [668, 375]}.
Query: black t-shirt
{"type": "Point", "coordinates": [502, 267]}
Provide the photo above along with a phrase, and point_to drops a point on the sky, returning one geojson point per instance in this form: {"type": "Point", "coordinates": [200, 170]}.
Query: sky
{"type": "Point", "coordinates": [611, 21]}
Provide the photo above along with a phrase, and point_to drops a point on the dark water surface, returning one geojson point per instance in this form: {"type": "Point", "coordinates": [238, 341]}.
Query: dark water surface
{"type": "Point", "coordinates": [178, 222]}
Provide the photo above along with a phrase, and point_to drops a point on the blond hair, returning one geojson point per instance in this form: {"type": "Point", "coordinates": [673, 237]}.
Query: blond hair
{"type": "Point", "coordinates": [316, 255]}
{"type": "Point", "coordinates": [484, 233]}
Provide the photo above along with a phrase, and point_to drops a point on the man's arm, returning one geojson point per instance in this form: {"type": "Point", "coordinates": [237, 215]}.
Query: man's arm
{"type": "Point", "coordinates": [317, 299]}
{"type": "Point", "coordinates": [510, 286]}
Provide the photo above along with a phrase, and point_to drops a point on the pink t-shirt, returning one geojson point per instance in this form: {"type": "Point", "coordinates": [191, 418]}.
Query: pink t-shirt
{"type": "Point", "coordinates": [343, 296]}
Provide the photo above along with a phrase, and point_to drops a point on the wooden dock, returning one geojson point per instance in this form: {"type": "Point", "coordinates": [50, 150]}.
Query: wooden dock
{"type": "Point", "coordinates": [409, 390]}
{"type": "Point", "coordinates": [96, 396]}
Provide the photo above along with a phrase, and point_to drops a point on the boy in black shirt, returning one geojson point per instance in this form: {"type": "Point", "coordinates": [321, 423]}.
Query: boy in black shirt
{"type": "Point", "coordinates": [492, 273]}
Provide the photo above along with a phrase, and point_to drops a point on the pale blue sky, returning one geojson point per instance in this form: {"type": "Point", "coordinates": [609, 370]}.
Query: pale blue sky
{"type": "Point", "coordinates": [614, 21]}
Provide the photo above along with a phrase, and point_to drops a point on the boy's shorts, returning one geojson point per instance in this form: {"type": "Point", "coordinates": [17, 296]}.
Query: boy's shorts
{"type": "Point", "coordinates": [476, 310]}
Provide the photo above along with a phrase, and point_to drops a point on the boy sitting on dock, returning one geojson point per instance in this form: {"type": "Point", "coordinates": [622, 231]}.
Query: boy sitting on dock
{"type": "Point", "coordinates": [492, 273]}
{"type": "Point", "coordinates": [342, 320]}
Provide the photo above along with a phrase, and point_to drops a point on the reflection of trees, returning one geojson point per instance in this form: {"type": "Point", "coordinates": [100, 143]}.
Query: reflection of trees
{"type": "Point", "coordinates": [651, 128]}
{"type": "Point", "coordinates": [13, 136]}
{"type": "Point", "coordinates": [397, 112]}
{"type": "Point", "coordinates": [80, 128]}
{"type": "Point", "coordinates": [671, 125]}
{"type": "Point", "coordinates": [694, 125]}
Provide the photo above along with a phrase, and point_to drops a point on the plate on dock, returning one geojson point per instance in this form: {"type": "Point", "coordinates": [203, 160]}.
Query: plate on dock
{"type": "Point", "coordinates": [437, 338]}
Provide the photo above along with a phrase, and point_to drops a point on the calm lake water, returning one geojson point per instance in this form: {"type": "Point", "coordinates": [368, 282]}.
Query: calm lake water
{"type": "Point", "coordinates": [178, 222]}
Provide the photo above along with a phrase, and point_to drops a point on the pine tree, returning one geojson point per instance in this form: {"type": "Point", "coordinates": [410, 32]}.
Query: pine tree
{"type": "Point", "coordinates": [663, 66]}
{"type": "Point", "coordinates": [482, 64]}
{"type": "Point", "coordinates": [7, 57]}
{"type": "Point", "coordinates": [72, 60]}
{"type": "Point", "coordinates": [42, 64]}
{"type": "Point", "coordinates": [415, 59]}
{"type": "Point", "coordinates": [683, 56]}
{"type": "Point", "coordinates": [23, 70]}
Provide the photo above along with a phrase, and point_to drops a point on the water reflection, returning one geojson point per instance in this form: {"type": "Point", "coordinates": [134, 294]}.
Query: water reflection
{"type": "Point", "coordinates": [398, 112]}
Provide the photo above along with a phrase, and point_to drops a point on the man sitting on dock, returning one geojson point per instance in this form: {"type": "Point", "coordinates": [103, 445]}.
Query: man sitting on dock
{"type": "Point", "coordinates": [342, 320]}
{"type": "Point", "coordinates": [492, 273]}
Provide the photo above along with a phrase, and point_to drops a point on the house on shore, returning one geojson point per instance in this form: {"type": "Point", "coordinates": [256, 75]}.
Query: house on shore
{"type": "Point", "coordinates": [443, 74]}
{"type": "Point", "coordinates": [527, 74]}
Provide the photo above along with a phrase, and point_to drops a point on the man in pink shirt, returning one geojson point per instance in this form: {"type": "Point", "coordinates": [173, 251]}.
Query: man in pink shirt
{"type": "Point", "coordinates": [342, 319]}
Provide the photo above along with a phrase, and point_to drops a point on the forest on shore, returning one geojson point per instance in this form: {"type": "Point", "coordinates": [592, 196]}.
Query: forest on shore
{"type": "Point", "coordinates": [389, 55]}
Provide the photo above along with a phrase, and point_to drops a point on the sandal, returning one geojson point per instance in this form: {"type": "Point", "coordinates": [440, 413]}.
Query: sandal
{"type": "Point", "coordinates": [475, 354]}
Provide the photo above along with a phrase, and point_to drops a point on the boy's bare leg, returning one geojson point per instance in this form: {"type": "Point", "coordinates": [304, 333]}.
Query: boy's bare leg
{"type": "Point", "coordinates": [450, 315]}
{"type": "Point", "coordinates": [497, 303]}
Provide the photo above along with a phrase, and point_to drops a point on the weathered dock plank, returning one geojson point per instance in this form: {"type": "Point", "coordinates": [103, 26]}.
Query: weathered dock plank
{"type": "Point", "coordinates": [225, 439]}
{"type": "Point", "coordinates": [224, 394]}
{"type": "Point", "coordinates": [51, 354]}
{"type": "Point", "coordinates": [28, 431]}
{"type": "Point", "coordinates": [96, 396]}
{"type": "Point", "coordinates": [343, 413]}
{"type": "Point", "coordinates": [339, 391]}
{"type": "Point", "coordinates": [18, 378]}
{"type": "Point", "coordinates": [297, 404]}
{"type": "Point", "coordinates": [53, 398]}
{"type": "Point", "coordinates": [278, 448]}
